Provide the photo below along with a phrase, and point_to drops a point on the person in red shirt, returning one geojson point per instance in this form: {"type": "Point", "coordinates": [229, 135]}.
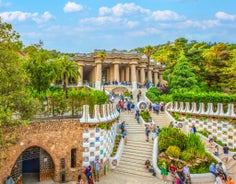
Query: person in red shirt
{"type": "Point", "coordinates": [172, 170]}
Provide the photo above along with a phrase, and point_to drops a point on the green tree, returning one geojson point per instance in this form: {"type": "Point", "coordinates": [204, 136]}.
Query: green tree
{"type": "Point", "coordinates": [66, 69]}
{"type": "Point", "coordinates": [183, 78]}
{"type": "Point", "coordinates": [40, 68]}
{"type": "Point", "coordinates": [14, 95]}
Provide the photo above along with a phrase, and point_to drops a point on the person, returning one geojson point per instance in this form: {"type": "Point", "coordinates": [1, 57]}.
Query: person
{"type": "Point", "coordinates": [147, 164]}
{"type": "Point", "coordinates": [187, 174]}
{"type": "Point", "coordinates": [123, 126]}
{"type": "Point", "coordinates": [138, 119]}
{"type": "Point", "coordinates": [226, 153]}
{"type": "Point", "coordinates": [124, 135]}
{"type": "Point", "coordinates": [132, 107]}
{"type": "Point", "coordinates": [213, 170]}
{"type": "Point", "coordinates": [97, 167]}
{"type": "Point", "coordinates": [216, 151]}
{"type": "Point", "coordinates": [147, 131]}
{"type": "Point", "coordinates": [10, 180]}
{"type": "Point", "coordinates": [137, 112]}
{"type": "Point", "coordinates": [158, 130]}
{"type": "Point", "coordinates": [138, 97]}
{"type": "Point", "coordinates": [230, 180]}
{"type": "Point", "coordinates": [172, 171]}
{"type": "Point", "coordinates": [80, 180]}
{"type": "Point", "coordinates": [219, 180]}
{"type": "Point", "coordinates": [129, 107]}
{"type": "Point", "coordinates": [171, 124]}
{"type": "Point", "coordinates": [210, 139]}
{"type": "Point", "coordinates": [220, 170]}
{"type": "Point", "coordinates": [180, 172]}
{"type": "Point", "coordinates": [164, 171]}
{"type": "Point", "coordinates": [193, 129]}
{"type": "Point", "coordinates": [154, 132]}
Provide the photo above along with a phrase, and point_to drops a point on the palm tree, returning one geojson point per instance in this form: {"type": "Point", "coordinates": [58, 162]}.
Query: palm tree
{"type": "Point", "coordinates": [66, 69]}
{"type": "Point", "coordinates": [148, 51]}
{"type": "Point", "coordinates": [102, 55]}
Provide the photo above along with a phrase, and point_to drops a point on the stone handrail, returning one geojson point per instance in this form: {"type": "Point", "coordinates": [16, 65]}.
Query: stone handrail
{"type": "Point", "coordinates": [114, 161]}
{"type": "Point", "coordinates": [108, 110]}
{"type": "Point", "coordinates": [198, 178]}
{"type": "Point", "coordinates": [210, 110]}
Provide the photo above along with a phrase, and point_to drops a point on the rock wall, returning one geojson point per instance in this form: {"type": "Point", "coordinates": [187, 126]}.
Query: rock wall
{"type": "Point", "coordinates": [57, 138]}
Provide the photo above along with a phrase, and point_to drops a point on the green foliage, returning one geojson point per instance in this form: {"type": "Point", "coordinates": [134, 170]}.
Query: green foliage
{"type": "Point", "coordinates": [145, 114]}
{"type": "Point", "coordinates": [173, 151]}
{"type": "Point", "coordinates": [186, 156]}
{"type": "Point", "coordinates": [155, 96]}
{"type": "Point", "coordinates": [171, 137]}
{"type": "Point", "coordinates": [127, 94]}
{"type": "Point", "coordinates": [183, 77]}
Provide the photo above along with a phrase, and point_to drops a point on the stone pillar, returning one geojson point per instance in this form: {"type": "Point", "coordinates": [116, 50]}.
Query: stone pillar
{"type": "Point", "coordinates": [112, 73]}
{"type": "Point", "coordinates": [150, 75]}
{"type": "Point", "coordinates": [98, 75]}
{"type": "Point", "coordinates": [116, 72]}
{"type": "Point", "coordinates": [156, 80]}
{"type": "Point", "coordinates": [127, 78]}
{"type": "Point", "coordinates": [108, 75]}
{"type": "Point", "coordinates": [92, 75]}
{"type": "Point", "coordinates": [142, 75]}
{"type": "Point", "coordinates": [133, 76]}
{"type": "Point", "coordinates": [80, 77]}
{"type": "Point", "coordinates": [122, 75]}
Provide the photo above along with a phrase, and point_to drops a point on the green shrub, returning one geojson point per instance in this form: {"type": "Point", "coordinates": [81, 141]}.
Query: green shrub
{"type": "Point", "coordinates": [173, 151]}
{"type": "Point", "coordinates": [145, 115]}
{"type": "Point", "coordinates": [171, 137]}
{"type": "Point", "coordinates": [186, 156]}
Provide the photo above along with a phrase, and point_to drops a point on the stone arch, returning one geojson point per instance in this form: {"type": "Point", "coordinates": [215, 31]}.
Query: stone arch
{"type": "Point", "coordinates": [120, 89]}
{"type": "Point", "coordinates": [33, 162]}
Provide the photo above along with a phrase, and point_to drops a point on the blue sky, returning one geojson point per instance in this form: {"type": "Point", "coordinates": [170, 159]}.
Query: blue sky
{"type": "Point", "coordinates": [85, 25]}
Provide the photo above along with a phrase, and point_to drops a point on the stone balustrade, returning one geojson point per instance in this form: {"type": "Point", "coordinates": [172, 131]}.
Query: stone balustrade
{"type": "Point", "coordinates": [201, 109]}
{"type": "Point", "coordinates": [109, 113]}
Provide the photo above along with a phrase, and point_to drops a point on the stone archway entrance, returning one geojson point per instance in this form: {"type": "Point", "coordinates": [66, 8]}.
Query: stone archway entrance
{"type": "Point", "coordinates": [33, 165]}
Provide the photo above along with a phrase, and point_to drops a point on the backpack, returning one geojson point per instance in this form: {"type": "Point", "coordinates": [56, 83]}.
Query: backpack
{"type": "Point", "coordinates": [122, 127]}
{"type": "Point", "coordinates": [85, 171]}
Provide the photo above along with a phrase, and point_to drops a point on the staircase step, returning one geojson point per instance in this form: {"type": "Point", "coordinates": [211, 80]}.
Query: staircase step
{"type": "Point", "coordinates": [132, 172]}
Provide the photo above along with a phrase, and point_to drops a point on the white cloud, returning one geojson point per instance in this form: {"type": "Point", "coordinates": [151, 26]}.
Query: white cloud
{"type": "Point", "coordinates": [132, 24]}
{"type": "Point", "coordinates": [166, 15]}
{"type": "Point", "coordinates": [225, 16]}
{"type": "Point", "coordinates": [22, 16]}
{"type": "Point", "coordinates": [204, 24]}
{"type": "Point", "coordinates": [123, 9]}
{"type": "Point", "coordinates": [72, 7]}
{"type": "Point", "coordinates": [101, 20]}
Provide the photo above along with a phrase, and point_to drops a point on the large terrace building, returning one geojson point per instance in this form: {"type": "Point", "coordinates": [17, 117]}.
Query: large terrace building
{"type": "Point", "coordinates": [118, 67]}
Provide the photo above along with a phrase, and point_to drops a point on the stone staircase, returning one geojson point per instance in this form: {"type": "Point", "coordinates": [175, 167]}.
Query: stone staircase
{"type": "Point", "coordinates": [137, 150]}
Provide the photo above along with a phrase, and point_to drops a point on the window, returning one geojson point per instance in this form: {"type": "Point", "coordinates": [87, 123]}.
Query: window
{"type": "Point", "coordinates": [73, 158]}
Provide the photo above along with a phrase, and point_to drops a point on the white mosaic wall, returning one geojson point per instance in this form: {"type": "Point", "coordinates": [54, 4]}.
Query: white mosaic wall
{"type": "Point", "coordinates": [221, 130]}
{"type": "Point", "coordinates": [98, 144]}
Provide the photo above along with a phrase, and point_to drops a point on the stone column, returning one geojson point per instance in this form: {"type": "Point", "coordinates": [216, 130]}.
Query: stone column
{"type": "Point", "coordinates": [150, 75]}
{"type": "Point", "coordinates": [133, 76]}
{"type": "Point", "coordinates": [108, 75]}
{"type": "Point", "coordinates": [122, 75]}
{"type": "Point", "coordinates": [156, 80]}
{"type": "Point", "coordinates": [80, 77]}
{"type": "Point", "coordinates": [127, 74]}
{"type": "Point", "coordinates": [142, 75]}
{"type": "Point", "coordinates": [112, 73]}
{"type": "Point", "coordinates": [116, 72]}
{"type": "Point", "coordinates": [98, 75]}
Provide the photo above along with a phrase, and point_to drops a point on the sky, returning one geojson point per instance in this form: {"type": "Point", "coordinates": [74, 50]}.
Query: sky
{"type": "Point", "coordinates": [85, 25]}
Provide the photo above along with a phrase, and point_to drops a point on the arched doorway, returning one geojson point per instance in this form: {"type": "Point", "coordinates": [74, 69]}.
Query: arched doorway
{"type": "Point", "coordinates": [33, 165]}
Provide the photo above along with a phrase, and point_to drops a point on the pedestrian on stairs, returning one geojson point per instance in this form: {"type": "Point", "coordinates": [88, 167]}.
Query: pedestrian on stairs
{"type": "Point", "coordinates": [164, 171]}
{"type": "Point", "coordinates": [147, 131]}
